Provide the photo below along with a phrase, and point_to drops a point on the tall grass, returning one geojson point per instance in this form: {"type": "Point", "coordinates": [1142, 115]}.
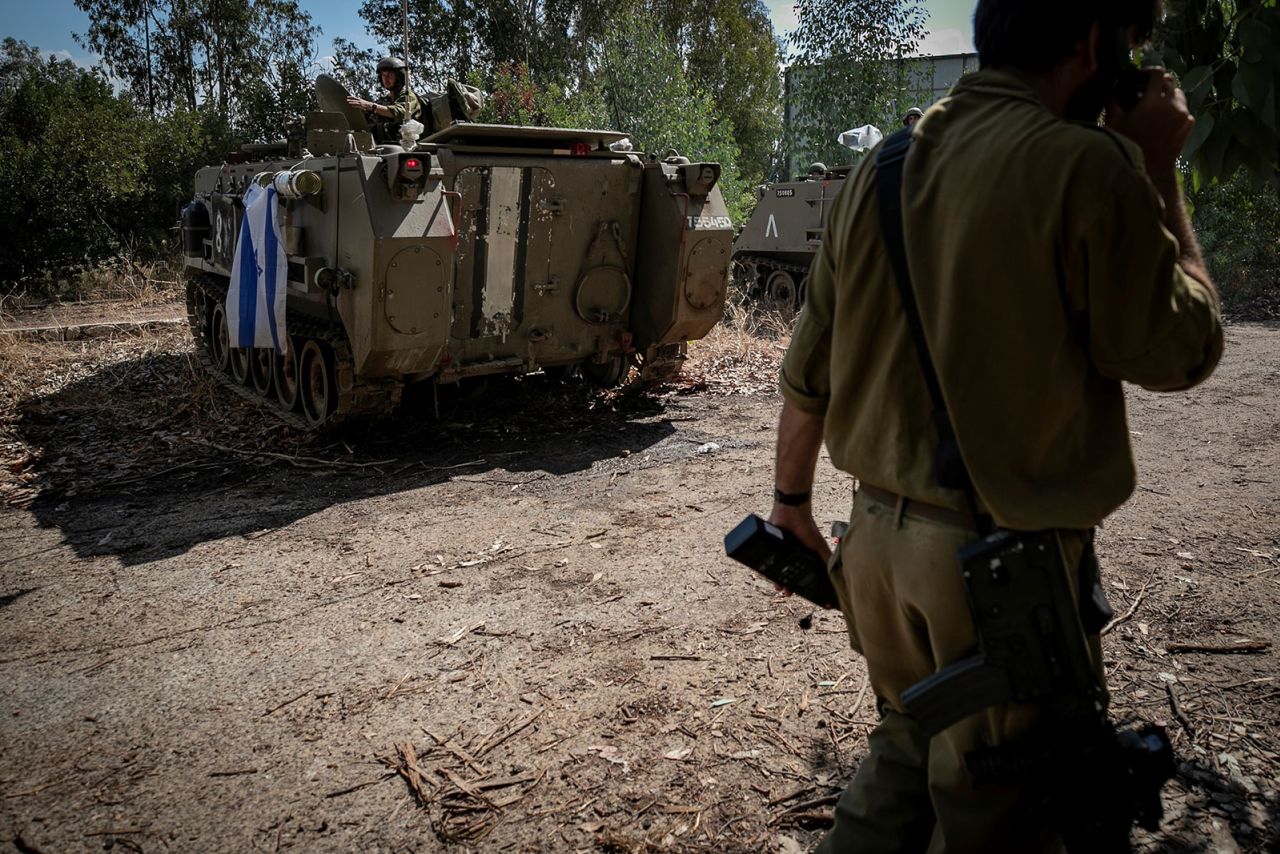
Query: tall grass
{"type": "Point", "coordinates": [121, 278]}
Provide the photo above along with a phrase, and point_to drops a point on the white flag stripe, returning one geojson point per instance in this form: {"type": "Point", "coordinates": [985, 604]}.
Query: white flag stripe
{"type": "Point", "coordinates": [256, 296]}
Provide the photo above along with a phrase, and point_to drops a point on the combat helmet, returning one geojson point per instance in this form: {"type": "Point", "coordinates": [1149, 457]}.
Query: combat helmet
{"type": "Point", "coordinates": [914, 111]}
{"type": "Point", "coordinates": [393, 63]}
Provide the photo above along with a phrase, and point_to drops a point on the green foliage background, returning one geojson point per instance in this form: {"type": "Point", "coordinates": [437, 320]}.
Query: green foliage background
{"type": "Point", "coordinates": [1238, 225]}
{"type": "Point", "coordinates": [1227, 58]}
{"type": "Point", "coordinates": [639, 86]}
{"type": "Point", "coordinates": [84, 174]}
{"type": "Point", "coordinates": [848, 70]}
{"type": "Point", "coordinates": [95, 163]}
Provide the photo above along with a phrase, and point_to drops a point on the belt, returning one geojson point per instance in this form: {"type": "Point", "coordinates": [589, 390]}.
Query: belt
{"type": "Point", "coordinates": [919, 509]}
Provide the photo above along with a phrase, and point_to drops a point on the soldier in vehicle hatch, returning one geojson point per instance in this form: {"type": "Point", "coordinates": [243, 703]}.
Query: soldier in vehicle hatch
{"type": "Point", "coordinates": [394, 108]}
{"type": "Point", "coordinates": [457, 103]}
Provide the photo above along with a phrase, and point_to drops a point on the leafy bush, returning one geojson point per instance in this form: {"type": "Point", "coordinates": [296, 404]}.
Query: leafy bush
{"type": "Point", "coordinates": [84, 174]}
{"type": "Point", "coordinates": [1239, 228]}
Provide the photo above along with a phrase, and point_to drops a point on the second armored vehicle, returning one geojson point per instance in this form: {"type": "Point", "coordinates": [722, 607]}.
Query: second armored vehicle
{"type": "Point", "coordinates": [773, 251]}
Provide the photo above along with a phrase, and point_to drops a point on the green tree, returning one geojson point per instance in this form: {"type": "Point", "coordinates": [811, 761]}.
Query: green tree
{"type": "Point", "coordinates": [725, 48]}
{"type": "Point", "coordinates": [251, 60]}
{"type": "Point", "coordinates": [1226, 56]}
{"type": "Point", "coordinates": [730, 51]}
{"type": "Point", "coordinates": [635, 82]}
{"type": "Point", "coordinates": [848, 68]}
{"type": "Point", "coordinates": [646, 93]}
{"type": "Point", "coordinates": [516, 99]}
{"type": "Point", "coordinates": [354, 67]}
{"type": "Point", "coordinates": [452, 39]}
{"type": "Point", "coordinates": [1239, 229]}
{"type": "Point", "coordinates": [85, 174]}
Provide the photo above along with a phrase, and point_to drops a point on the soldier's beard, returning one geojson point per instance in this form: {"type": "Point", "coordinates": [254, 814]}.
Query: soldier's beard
{"type": "Point", "coordinates": [1088, 102]}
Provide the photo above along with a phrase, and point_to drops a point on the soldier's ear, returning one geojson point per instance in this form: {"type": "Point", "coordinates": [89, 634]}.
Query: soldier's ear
{"type": "Point", "coordinates": [1090, 47]}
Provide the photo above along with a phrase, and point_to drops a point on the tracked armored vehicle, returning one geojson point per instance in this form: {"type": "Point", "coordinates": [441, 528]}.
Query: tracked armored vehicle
{"type": "Point", "coordinates": [776, 246]}
{"type": "Point", "coordinates": [480, 249]}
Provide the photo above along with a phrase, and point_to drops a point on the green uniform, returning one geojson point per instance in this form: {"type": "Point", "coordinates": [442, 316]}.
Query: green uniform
{"type": "Point", "coordinates": [1045, 279]}
{"type": "Point", "coordinates": [404, 105]}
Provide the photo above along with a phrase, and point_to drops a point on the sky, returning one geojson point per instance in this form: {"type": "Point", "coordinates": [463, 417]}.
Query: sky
{"type": "Point", "coordinates": [48, 24]}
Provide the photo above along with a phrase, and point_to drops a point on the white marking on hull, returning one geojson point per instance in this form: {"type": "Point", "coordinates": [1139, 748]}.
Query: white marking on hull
{"type": "Point", "coordinates": [500, 245]}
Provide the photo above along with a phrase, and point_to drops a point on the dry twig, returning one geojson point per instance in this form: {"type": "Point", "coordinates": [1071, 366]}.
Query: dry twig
{"type": "Point", "coordinates": [297, 461]}
{"type": "Point", "coordinates": [1133, 607]}
{"type": "Point", "coordinates": [1242, 645]}
{"type": "Point", "coordinates": [1177, 710]}
{"type": "Point", "coordinates": [275, 709]}
{"type": "Point", "coordinates": [408, 768]}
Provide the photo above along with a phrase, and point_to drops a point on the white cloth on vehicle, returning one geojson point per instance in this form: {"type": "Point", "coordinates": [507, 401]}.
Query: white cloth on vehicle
{"type": "Point", "coordinates": [861, 139]}
{"type": "Point", "coordinates": [256, 297]}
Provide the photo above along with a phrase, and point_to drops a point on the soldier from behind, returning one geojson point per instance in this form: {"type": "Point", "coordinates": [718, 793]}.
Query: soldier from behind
{"type": "Point", "coordinates": [1052, 261]}
{"type": "Point", "coordinates": [394, 108]}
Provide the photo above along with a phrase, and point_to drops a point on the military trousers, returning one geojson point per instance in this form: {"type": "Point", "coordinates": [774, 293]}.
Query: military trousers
{"type": "Point", "coordinates": [900, 589]}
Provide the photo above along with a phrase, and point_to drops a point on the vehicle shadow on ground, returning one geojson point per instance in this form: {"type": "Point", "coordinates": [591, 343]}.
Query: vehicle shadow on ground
{"type": "Point", "coordinates": [145, 459]}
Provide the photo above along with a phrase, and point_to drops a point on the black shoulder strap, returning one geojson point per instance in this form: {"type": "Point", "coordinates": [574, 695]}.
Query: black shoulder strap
{"type": "Point", "coordinates": [948, 465]}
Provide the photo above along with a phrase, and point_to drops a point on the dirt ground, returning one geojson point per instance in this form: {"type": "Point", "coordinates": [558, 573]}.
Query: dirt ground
{"type": "Point", "coordinates": [511, 626]}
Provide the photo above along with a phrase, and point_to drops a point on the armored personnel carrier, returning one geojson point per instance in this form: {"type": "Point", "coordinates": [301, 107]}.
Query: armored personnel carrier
{"type": "Point", "coordinates": [480, 249]}
{"type": "Point", "coordinates": [773, 251]}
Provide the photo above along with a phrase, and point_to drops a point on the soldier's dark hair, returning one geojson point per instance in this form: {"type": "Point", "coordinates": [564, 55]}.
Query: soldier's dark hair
{"type": "Point", "coordinates": [1036, 35]}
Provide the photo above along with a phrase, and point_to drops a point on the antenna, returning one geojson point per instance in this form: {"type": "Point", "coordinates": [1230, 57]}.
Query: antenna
{"type": "Point", "coordinates": [404, 44]}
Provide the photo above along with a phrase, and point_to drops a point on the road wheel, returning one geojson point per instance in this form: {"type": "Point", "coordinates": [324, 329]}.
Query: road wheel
{"type": "Point", "coordinates": [261, 360]}
{"type": "Point", "coordinates": [285, 375]}
{"type": "Point", "coordinates": [219, 338]}
{"type": "Point", "coordinates": [240, 365]}
{"type": "Point", "coordinates": [316, 381]}
{"type": "Point", "coordinates": [780, 290]}
{"type": "Point", "coordinates": [608, 375]}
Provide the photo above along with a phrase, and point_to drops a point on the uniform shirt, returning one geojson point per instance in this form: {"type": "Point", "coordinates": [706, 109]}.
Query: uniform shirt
{"type": "Point", "coordinates": [404, 105]}
{"type": "Point", "coordinates": [1044, 278]}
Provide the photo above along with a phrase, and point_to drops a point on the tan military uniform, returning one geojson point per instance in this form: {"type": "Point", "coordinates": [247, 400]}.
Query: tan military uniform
{"type": "Point", "coordinates": [1044, 278]}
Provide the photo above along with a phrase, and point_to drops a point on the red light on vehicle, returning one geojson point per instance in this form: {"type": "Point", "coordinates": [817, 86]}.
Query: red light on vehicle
{"type": "Point", "coordinates": [413, 163]}
{"type": "Point", "coordinates": [580, 149]}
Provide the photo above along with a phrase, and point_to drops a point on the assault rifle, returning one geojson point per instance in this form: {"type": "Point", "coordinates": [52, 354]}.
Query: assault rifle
{"type": "Point", "coordinates": [1033, 649]}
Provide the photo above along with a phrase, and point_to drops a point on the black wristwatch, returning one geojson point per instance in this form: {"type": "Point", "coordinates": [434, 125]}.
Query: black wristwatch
{"type": "Point", "coordinates": [792, 499]}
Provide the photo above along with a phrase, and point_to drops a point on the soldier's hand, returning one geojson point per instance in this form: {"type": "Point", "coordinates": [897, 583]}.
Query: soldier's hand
{"type": "Point", "coordinates": [799, 522]}
{"type": "Point", "coordinates": [1160, 122]}
{"type": "Point", "coordinates": [358, 103]}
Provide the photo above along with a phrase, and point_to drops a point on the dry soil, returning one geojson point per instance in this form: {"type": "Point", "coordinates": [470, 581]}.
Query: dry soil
{"type": "Point", "coordinates": [511, 626]}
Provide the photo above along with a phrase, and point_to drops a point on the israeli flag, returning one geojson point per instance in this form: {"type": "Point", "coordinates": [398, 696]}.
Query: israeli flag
{"type": "Point", "coordinates": [256, 297]}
